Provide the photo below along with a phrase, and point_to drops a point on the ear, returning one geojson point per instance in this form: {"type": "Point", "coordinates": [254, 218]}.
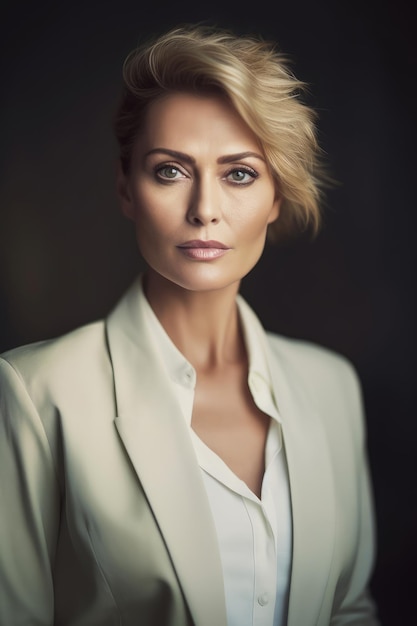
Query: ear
{"type": "Point", "coordinates": [124, 194]}
{"type": "Point", "coordinates": [275, 209]}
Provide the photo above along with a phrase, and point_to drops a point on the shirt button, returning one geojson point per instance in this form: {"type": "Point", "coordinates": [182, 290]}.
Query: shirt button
{"type": "Point", "coordinates": [263, 599]}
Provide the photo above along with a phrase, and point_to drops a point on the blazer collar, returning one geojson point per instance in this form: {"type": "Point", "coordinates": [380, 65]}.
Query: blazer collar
{"type": "Point", "coordinates": [155, 435]}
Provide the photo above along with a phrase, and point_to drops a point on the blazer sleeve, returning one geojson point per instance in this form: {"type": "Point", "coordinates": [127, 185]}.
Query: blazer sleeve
{"type": "Point", "coordinates": [29, 510]}
{"type": "Point", "coordinates": [353, 603]}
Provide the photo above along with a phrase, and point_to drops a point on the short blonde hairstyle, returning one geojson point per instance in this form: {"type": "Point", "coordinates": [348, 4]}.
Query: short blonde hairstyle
{"type": "Point", "coordinates": [256, 79]}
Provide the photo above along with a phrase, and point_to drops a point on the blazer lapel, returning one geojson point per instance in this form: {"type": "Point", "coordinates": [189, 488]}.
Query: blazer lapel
{"type": "Point", "coordinates": [312, 497]}
{"type": "Point", "coordinates": [157, 440]}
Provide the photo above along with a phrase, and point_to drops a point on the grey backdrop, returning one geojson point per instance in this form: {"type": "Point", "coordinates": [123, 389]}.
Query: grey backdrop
{"type": "Point", "coordinates": [66, 254]}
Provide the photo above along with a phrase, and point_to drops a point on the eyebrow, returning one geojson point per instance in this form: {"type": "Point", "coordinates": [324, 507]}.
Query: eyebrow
{"type": "Point", "coordinates": [182, 156]}
{"type": "Point", "coordinates": [230, 158]}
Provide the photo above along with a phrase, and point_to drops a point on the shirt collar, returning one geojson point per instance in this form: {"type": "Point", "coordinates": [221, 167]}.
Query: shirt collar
{"type": "Point", "coordinates": [259, 377]}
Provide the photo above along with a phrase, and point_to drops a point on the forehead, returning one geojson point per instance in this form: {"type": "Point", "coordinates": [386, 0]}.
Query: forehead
{"type": "Point", "coordinates": [196, 123]}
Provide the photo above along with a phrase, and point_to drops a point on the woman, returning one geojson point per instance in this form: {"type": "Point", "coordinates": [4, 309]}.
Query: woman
{"type": "Point", "coordinates": [174, 463]}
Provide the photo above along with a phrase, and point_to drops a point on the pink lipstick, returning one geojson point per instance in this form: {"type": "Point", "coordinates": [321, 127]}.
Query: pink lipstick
{"type": "Point", "coordinates": [200, 250]}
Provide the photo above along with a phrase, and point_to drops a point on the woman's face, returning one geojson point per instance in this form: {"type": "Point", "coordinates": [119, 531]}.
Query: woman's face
{"type": "Point", "coordinates": [199, 191]}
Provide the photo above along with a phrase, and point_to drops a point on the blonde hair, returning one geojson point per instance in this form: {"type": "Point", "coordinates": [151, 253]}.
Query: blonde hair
{"type": "Point", "coordinates": [256, 79]}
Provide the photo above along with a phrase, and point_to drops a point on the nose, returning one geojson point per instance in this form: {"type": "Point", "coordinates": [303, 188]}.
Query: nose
{"type": "Point", "coordinates": [204, 205]}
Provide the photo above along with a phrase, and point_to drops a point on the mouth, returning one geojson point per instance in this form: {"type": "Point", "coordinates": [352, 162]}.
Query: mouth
{"type": "Point", "coordinates": [200, 250]}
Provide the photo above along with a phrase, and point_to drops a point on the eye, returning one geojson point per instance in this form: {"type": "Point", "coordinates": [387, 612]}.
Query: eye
{"type": "Point", "coordinates": [241, 175]}
{"type": "Point", "coordinates": [168, 172]}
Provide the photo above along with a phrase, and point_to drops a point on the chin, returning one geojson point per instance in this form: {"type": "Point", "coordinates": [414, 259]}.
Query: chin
{"type": "Point", "coordinates": [202, 279]}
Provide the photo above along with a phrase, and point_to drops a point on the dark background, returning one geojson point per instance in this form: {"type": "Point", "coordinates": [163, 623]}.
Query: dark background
{"type": "Point", "coordinates": [66, 254]}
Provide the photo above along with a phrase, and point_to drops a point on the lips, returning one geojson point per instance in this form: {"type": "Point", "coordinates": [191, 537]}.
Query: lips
{"type": "Point", "coordinates": [199, 250]}
{"type": "Point", "coordinates": [199, 243]}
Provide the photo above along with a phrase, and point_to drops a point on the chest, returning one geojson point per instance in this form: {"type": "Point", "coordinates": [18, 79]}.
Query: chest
{"type": "Point", "coordinates": [227, 420]}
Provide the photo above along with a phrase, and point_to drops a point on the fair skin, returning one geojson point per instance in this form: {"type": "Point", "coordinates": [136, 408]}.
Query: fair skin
{"type": "Point", "coordinates": [201, 196]}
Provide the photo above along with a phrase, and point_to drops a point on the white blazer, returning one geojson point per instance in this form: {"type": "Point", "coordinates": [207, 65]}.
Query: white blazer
{"type": "Point", "coordinates": [104, 519]}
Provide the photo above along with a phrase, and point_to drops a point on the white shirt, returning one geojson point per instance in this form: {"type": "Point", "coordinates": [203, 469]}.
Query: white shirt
{"type": "Point", "coordinates": [254, 535]}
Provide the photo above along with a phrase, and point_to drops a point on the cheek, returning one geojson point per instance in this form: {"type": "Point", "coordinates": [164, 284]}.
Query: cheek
{"type": "Point", "coordinates": [147, 210]}
{"type": "Point", "coordinates": [258, 216]}
{"type": "Point", "coordinates": [158, 207]}
{"type": "Point", "coordinates": [155, 226]}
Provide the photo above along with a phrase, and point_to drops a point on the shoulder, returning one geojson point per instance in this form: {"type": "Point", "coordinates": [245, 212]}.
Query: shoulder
{"type": "Point", "coordinates": [316, 371]}
{"type": "Point", "coordinates": [311, 361]}
{"type": "Point", "coordinates": [327, 380]}
{"type": "Point", "coordinates": [66, 357]}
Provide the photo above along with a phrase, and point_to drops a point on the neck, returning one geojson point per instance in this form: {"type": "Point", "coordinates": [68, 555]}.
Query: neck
{"type": "Point", "coordinates": [203, 325]}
